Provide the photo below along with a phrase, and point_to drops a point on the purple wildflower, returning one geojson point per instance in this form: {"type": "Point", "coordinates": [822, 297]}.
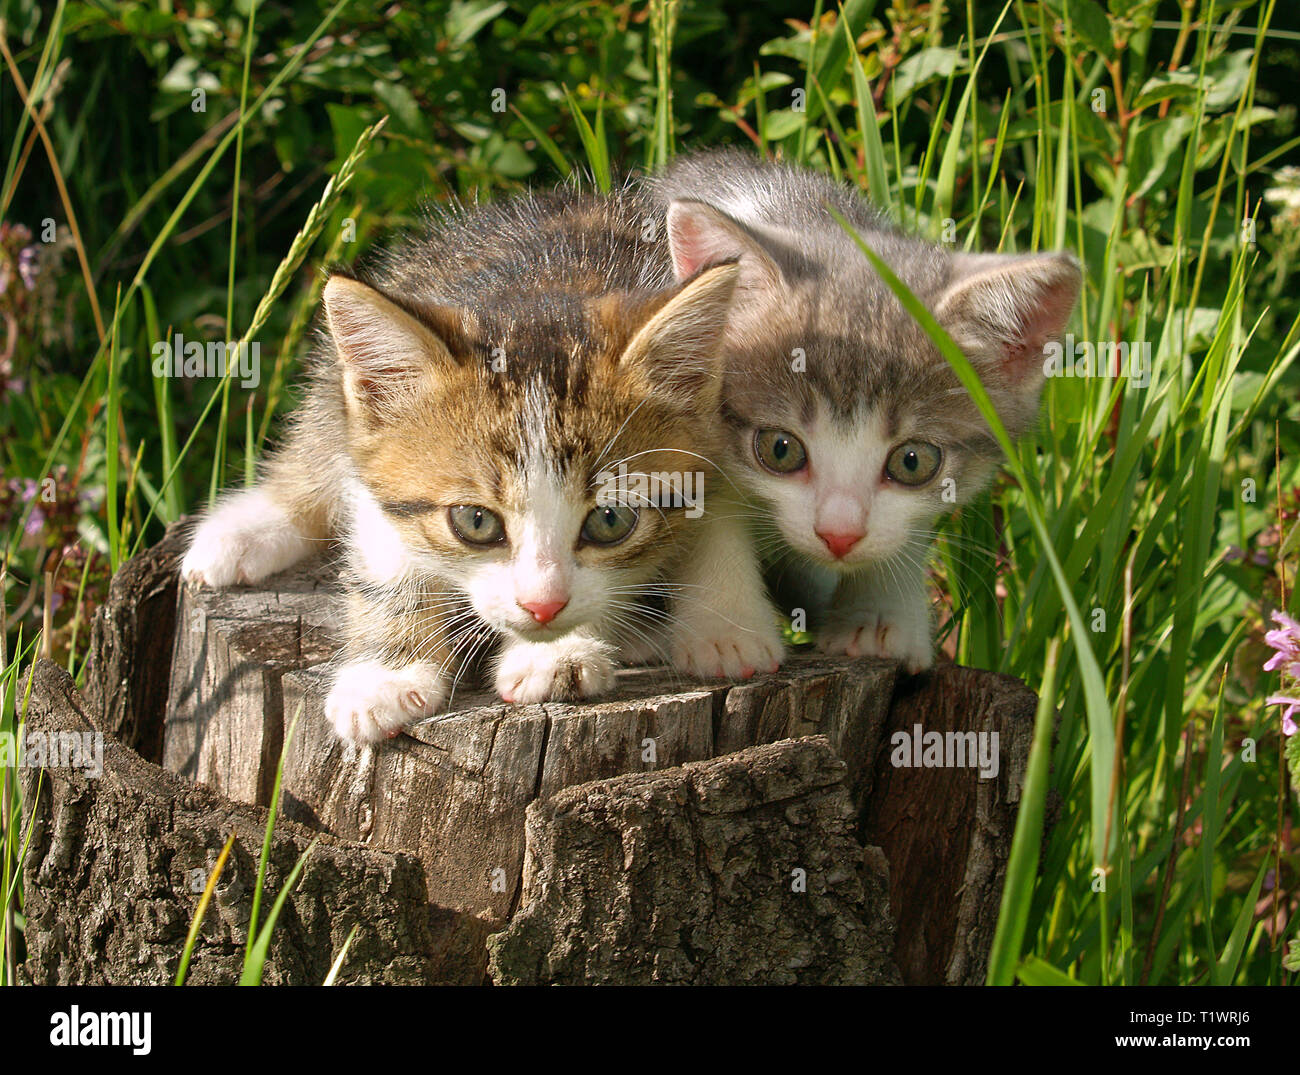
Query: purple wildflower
{"type": "Point", "coordinates": [1285, 640]}
{"type": "Point", "coordinates": [29, 265]}
{"type": "Point", "coordinates": [1288, 714]}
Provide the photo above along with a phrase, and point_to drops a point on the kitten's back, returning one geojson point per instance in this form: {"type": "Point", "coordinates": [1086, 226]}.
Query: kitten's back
{"type": "Point", "coordinates": [785, 208]}
{"type": "Point", "coordinates": [563, 241]}
{"type": "Point", "coordinates": [770, 193]}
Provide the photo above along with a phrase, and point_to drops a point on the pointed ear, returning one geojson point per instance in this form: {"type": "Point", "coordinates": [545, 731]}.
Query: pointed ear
{"type": "Point", "coordinates": [385, 353]}
{"type": "Point", "coordinates": [1004, 309]}
{"type": "Point", "coordinates": [700, 236]}
{"type": "Point", "coordinates": [679, 348]}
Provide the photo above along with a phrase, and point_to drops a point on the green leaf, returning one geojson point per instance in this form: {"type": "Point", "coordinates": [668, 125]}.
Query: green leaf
{"type": "Point", "coordinates": [1291, 544]}
{"type": "Point", "coordinates": [546, 142]}
{"type": "Point", "coordinates": [1034, 971]}
{"type": "Point", "coordinates": [1091, 25]}
{"type": "Point", "coordinates": [1226, 968]}
{"type": "Point", "coordinates": [918, 70]}
{"type": "Point", "coordinates": [839, 49]}
{"type": "Point", "coordinates": [782, 123]}
{"type": "Point", "coordinates": [1226, 79]}
{"type": "Point", "coordinates": [873, 149]}
{"type": "Point", "coordinates": [255, 960]}
{"type": "Point", "coordinates": [1291, 961]}
{"type": "Point", "coordinates": [465, 19]}
{"type": "Point", "coordinates": [1156, 152]}
{"type": "Point", "coordinates": [402, 106]}
{"type": "Point", "coordinates": [593, 141]}
{"type": "Point", "coordinates": [1167, 85]}
{"type": "Point", "coordinates": [947, 178]}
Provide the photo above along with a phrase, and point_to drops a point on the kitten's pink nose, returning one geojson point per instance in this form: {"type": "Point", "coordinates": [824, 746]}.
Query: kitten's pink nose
{"type": "Point", "coordinates": [543, 611]}
{"type": "Point", "coordinates": [840, 543]}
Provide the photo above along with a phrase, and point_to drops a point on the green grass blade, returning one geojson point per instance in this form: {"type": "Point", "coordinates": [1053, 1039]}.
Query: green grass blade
{"type": "Point", "coordinates": [1034, 971]}
{"type": "Point", "coordinates": [873, 149]}
{"type": "Point", "coordinates": [1022, 866]}
{"type": "Point", "coordinates": [202, 909]}
{"type": "Point", "coordinates": [1101, 730]}
{"type": "Point", "coordinates": [255, 960]}
{"type": "Point", "coordinates": [337, 965]}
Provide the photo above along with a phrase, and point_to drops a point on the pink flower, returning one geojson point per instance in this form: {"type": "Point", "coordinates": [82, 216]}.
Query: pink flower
{"type": "Point", "coordinates": [1288, 714]}
{"type": "Point", "coordinates": [1286, 641]}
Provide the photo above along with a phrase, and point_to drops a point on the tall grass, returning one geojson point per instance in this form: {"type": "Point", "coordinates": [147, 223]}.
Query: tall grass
{"type": "Point", "coordinates": [1116, 527]}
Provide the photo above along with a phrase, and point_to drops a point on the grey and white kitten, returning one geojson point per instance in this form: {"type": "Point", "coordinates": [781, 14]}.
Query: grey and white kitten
{"type": "Point", "coordinates": [851, 431]}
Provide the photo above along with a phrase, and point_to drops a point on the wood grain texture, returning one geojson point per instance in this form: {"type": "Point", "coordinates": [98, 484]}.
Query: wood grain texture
{"type": "Point", "coordinates": [126, 682]}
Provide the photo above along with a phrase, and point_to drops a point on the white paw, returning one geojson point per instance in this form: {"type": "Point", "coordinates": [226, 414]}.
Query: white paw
{"type": "Point", "coordinates": [900, 634]}
{"type": "Point", "coordinates": [245, 539]}
{"type": "Point", "coordinates": [369, 701]}
{"type": "Point", "coordinates": [710, 647]}
{"type": "Point", "coordinates": [566, 670]}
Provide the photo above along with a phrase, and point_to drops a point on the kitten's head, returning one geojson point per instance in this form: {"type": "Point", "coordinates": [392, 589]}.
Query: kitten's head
{"type": "Point", "coordinates": [844, 416]}
{"type": "Point", "coordinates": [482, 441]}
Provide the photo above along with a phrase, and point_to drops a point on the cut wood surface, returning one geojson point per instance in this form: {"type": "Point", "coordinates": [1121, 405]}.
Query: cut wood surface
{"type": "Point", "coordinates": [455, 791]}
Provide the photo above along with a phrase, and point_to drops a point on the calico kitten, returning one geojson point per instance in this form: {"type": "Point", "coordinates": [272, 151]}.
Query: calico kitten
{"type": "Point", "coordinates": [852, 430]}
{"type": "Point", "coordinates": [470, 399]}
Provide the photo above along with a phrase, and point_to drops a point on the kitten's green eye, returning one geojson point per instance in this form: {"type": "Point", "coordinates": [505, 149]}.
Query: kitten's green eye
{"type": "Point", "coordinates": [913, 463]}
{"type": "Point", "coordinates": [475, 525]}
{"type": "Point", "coordinates": [779, 451]}
{"type": "Point", "coordinates": [608, 525]}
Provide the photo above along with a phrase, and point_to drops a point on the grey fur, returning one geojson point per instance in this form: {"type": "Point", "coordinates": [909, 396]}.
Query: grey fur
{"type": "Point", "coordinates": [817, 336]}
{"type": "Point", "coordinates": [866, 348]}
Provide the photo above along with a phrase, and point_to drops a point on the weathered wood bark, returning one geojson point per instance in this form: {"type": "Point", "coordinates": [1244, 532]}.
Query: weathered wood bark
{"type": "Point", "coordinates": [127, 681]}
{"type": "Point", "coordinates": [946, 830]}
{"type": "Point", "coordinates": [739, 870]}
{"type": "Point", "coordinates": [224, 715]}
{"type": "Point", "coordinates": [455, 791]}
{"type": "Point", "coordinates": [116, 863]}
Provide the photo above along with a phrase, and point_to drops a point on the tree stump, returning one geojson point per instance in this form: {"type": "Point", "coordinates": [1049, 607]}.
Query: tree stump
{"type": "Point", "coordinates": [739, 870]}
{"type": "Point", "coordinates": [115, 862]}
{"type": "Point", "coordinates": [501, 804]}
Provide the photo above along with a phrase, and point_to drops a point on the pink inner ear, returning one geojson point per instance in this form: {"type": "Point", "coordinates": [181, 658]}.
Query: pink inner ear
{"type": "Point", "coordinates": [1042, 317]}
{"type": "Point", "coordinates": [694, 244]}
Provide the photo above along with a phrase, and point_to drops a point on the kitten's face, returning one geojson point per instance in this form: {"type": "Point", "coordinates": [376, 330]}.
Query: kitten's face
{"type": "Point", "coordinates": [489, 470]}
{"type": "Point", "coordinates": [845, 418]}
{"type": "Point", "coordinates": [856, 454]}
{"type": "Point", "coordinates": [848, 490]}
